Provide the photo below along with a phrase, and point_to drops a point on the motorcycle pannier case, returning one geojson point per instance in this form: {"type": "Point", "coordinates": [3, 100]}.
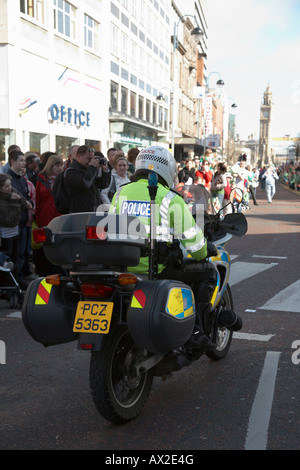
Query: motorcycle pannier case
{"type": "Point", "coordinates": [119, 241]}
{"type": "Point", "coordinates": [161, 315]}
{"type": "Point", "coordinates": [48, 313]}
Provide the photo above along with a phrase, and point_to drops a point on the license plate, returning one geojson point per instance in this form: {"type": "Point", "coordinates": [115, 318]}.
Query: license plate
{"type": "Point", "coordinates": [93, 317]}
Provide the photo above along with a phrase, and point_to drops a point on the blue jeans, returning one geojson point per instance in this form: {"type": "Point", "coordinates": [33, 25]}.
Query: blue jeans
{"type": "Point", "coordinates": [270, 190]}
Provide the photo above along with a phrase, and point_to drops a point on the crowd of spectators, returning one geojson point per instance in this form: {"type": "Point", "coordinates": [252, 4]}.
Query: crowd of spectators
{"type": "Point", "coordinates": [218, 179]}
{"type": "Point", "coordinates": [27, 197]}
{"type": "Point", "coordinates": [289, 173]}
{"type": "Point", "coordinates": [27, 183]}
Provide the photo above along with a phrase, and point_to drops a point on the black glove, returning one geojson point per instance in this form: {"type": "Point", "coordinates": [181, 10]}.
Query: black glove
{"type": "Point", "coordinates": [175, 256]}
{"type": "Point", "coordinates": [211, 249]}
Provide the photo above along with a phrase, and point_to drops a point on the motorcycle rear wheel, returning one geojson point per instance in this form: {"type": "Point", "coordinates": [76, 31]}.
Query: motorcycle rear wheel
{"type": "Point", "coordinates": [119, 396]}
{"type": "Point", "coordinates": [224, 336]}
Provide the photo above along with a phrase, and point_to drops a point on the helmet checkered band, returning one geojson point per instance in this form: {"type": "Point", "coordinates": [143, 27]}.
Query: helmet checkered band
{"type": "Point", "coordinates": [154, 158]}
{"type": "Point", "coordinates": [159, 160]}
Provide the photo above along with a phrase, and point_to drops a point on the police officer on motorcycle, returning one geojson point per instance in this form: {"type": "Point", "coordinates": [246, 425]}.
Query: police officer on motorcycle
{"type": "Point", "coordinates": [173, 218]}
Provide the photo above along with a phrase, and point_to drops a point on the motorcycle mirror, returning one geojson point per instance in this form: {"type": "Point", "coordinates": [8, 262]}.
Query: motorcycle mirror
{"type": "Point", "coordinates": [235, 224]}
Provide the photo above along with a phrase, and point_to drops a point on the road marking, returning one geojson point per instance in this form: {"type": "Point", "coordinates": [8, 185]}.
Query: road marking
{"type": "Point", "coordinates": [15, 315]}
{"type": "Point", "coordinates": [240, 271]}
{"type": "Point", "coordinates": [257, 436]}
{"type": "Point", "coordinates": [252, 337]}
{"type": "Point", "coordinates": [269, 257]}
{"type": "Point", "coordinates": [287, 300]}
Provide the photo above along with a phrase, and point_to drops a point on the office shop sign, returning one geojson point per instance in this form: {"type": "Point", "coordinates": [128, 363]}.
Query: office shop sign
{"type": "Point", "coordinates": [70, 116]}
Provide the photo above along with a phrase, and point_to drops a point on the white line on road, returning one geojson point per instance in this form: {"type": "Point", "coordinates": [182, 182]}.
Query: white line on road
{"type": "Point", "coordinates": [287, 300]}
{"type": "Point", "coordinates": [269, 257]}
{"type": "Point", "coordinates": [252, 337]}
{"type": "Point", "coordinates": [242, 270]}
{"type": "Point", "coordinates": [15, 315]}
{"type": "Point", "coordinates": [257, 436]}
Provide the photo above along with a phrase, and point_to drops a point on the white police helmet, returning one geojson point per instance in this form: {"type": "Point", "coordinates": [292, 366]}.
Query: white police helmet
{"type": "Point", "coordinates": [159, 160]}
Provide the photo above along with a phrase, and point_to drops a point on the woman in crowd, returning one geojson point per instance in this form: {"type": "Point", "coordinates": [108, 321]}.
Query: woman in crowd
{"type": "Point", "coordinates": [119, 176]}
{"type": "Point", "coordinates": [218, 184]}
{"type": "Point", "coordinates": [45, 208]}
{"type": "Point", "coordinates": [11, 204]}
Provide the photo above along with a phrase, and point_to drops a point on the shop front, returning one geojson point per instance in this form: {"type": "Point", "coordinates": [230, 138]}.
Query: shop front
{"type": "Point", "coordinates": [126, 133]}
{"type": "Point", "coordinates": [183, 145]}
{"type": "Point", "coordinates": [53, 112]}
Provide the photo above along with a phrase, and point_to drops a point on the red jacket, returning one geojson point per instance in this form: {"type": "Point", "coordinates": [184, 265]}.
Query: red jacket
{"type": "Point", "coordinates": [45, 209]}
{"type": "Point", "coordinates": [207, 177]}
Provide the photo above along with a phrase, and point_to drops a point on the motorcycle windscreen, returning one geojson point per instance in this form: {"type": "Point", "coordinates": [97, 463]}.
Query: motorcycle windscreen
{"type": "Point", "coordinates": [48, 313]}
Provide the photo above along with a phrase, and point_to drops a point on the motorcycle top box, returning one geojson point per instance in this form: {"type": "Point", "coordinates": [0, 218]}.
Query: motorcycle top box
{"type": "Point", "coordinates": [89, 241]}
{"type": "Point", "coordinates": [161, 316]}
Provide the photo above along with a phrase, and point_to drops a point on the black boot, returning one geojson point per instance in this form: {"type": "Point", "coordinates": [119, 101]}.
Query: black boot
{"type": "Point", "coordinates": [199, 341]}
{"type": "Point", "coordinates": [230, 320]}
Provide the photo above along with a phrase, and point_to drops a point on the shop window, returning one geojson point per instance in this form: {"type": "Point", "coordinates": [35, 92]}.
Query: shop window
{"type": "Point", "coordinates": [65, 18]}
{"type": "Point", "coordinates": [34, 8]}
{"type": "Point", "coordinates": [7, 138]}
{"type": "Point", "coordinates": [95, 144]}
{"type": "Point", "coordinates": [63, 145]}
{"type": "Point", "coordinates": [38, 142]}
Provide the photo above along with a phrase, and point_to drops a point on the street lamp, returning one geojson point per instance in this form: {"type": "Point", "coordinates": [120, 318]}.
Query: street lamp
{"type": "Point", "coordinates": [197, 34]}
{"type": "Point", "coordinates": [220, 83]}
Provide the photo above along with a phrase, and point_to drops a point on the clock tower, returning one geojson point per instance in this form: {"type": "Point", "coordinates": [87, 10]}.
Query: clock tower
{"type": "Point", "coordinates": [264, 132]}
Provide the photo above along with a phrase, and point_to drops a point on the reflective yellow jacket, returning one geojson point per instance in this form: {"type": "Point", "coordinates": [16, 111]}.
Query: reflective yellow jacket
{"type": "Point", "coordinates": [173, 218]}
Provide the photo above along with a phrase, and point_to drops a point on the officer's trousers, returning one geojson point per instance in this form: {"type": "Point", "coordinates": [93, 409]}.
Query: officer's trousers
{"type": "Point", "coordinates": [201, 276]}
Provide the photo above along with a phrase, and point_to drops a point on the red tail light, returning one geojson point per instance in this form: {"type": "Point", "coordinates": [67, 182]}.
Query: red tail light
{"type": "Point", "coordinates": [96, 233]}
{"type": "Point", "coordinates": [96, 290]}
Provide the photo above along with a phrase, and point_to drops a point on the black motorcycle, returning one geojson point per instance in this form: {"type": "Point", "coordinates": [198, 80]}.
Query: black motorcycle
{"type": "Point", "coordinates": [134, 328]}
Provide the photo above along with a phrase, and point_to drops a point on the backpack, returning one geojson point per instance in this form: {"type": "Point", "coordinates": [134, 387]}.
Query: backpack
{"type": "Point", "coordinates": [61, 197]}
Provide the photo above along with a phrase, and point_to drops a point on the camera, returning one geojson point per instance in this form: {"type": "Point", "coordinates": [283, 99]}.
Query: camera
{"type": "Point", "coordinates": [101, 158]}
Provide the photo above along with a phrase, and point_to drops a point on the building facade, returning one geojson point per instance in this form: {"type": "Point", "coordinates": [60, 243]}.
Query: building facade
{"type": "Point", "coordinates": [190, 72]}
{"type": "Point", "coordinates": [90, 72]}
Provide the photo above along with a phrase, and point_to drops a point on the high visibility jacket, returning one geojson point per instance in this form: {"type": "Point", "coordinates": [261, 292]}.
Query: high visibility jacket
{"type": "Point", "coordinates": [173, 218]}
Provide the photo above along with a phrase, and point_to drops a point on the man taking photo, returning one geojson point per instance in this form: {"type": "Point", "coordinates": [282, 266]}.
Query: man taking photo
{"type": "Point", "coordinates": [82, 182]}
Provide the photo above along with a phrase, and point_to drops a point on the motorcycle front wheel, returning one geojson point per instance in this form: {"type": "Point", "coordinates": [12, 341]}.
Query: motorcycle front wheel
{"type": "Point", "coordinates": [119, 396]}
{"type": "Point", "coordinates": [224, 336]}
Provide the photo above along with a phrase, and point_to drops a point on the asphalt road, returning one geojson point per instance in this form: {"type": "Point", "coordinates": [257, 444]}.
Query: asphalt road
{"type": "Point", "coordinates": [248, 400]}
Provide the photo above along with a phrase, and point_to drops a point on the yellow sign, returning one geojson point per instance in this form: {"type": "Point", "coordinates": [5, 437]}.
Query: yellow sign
{"type": "Point", "coordinates": [93, 317]}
